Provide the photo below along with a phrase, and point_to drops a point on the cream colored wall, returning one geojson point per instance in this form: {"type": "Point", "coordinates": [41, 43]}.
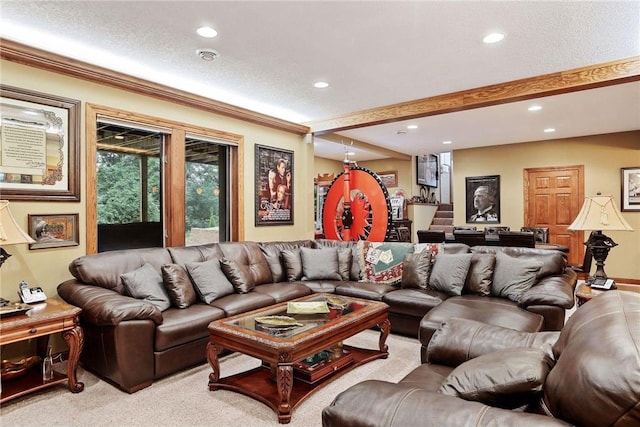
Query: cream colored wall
{"type": "Point", "coordinates": [602, 157]}
{"type": "Point", "coordinates": [49, 267]}
{"type": "Point", "coordinates": [323, 166]}
{"type": "Point", "coordinates": [403, 167]}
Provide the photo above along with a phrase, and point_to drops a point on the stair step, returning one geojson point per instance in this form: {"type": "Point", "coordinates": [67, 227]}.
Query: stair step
{"type": "Point", "coordinates": [443, 214]}
{"type": "Point", "coordinates": [442, 221]}
{"type": "Point", "coordinates": [445, 207]}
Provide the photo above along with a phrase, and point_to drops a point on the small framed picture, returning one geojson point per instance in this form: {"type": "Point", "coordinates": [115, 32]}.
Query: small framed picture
{"type": "Point", "coordinates": [630, 187]}
{"type": "Point", "coordinates": [483, 199]}
{"type": "Point", "coordinates": [389, 178]}
{"type": "Point", "coordinates": [53, 231]}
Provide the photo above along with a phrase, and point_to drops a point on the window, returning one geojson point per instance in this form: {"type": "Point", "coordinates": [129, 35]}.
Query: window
{"type": "Point", "coordinates": [152, 182]}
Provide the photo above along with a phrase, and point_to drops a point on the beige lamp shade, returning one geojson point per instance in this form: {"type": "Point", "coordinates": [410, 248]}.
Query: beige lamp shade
{"type": "Point", "coordinates": [599, 213]}
{"type": "Point", "coordinates": [10, 231]}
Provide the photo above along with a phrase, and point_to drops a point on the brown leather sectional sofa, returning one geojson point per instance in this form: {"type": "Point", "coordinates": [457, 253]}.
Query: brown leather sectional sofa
{"type": "Point", "coordinates": [482, 375]}
{"type": "Point", "coordinates": [130, 342]}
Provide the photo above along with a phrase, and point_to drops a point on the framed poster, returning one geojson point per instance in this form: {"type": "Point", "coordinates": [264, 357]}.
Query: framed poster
{"type": "Point", "coordinates": [483, 199]}
{"type": "Point", "coordinates": [274, 186]}
{"type": "Point", "coordinates": [39, 146]}
{"type": "Point", "coordinates": [630, 187]}
{"type": "Point", "coordinates": [53, 231]}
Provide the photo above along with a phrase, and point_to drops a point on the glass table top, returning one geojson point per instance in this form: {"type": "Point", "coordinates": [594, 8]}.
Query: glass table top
{"type": "Point", "coordinates": [301, 315]}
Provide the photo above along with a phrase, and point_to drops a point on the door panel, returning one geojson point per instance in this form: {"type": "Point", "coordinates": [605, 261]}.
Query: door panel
{"type": "Point", "coordinates": [553, 197]}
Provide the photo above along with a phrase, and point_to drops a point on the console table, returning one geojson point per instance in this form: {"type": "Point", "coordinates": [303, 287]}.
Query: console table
{"type": "Point", "coordinates": [44, 319]}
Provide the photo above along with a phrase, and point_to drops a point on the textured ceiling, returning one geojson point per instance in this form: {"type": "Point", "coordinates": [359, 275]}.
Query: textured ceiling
{"type": "Point", "coordinates": [372, 53]}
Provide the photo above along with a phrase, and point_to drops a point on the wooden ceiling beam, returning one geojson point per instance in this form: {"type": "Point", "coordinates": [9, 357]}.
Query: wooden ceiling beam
{"type": "Point", "coordinates": [590, 77]}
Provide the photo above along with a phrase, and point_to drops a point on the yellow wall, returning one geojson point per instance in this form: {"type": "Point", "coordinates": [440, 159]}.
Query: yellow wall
{"type": "Point", "coordinates": [602, 157]}
{"type": "Point", "coordinates": [49, 267]}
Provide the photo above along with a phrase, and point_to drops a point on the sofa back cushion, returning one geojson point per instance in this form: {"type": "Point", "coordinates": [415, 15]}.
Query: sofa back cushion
{"type": "Point", "coordinates": [249, 255]}
{"type": "Point", "coordinates": [199, 253]}
{"type": "Point", "coordinates": [449, 273]}
{"type": "Point", "coordinates": [146, 283]}
{"type": "Point", "coordinates": [105, 268]}
{"type": "Point", "coordinates": [598, 363]}
{"type": "Point", "coordinates": [273, 253]}
{"type": "Point", "coordinates": [320, 264]}
{"type": "Point", "coordinates": [553, 262]}
{"type": "Point", "coordinates": [178, 285]}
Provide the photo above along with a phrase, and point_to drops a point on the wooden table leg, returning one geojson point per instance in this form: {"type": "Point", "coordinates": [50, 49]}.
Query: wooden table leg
{"type": "Point", "coordinates": [385, 328]}
{"type": "Point", "coordinates": [212, 356]}
{"type": "Point", "coordinates": [75, 339]}
{"type": "Point", "coordinates": [284, 379]}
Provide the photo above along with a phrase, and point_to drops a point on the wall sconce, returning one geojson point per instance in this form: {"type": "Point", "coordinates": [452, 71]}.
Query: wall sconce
{"type": "Point", "coordinates": [10, 231]}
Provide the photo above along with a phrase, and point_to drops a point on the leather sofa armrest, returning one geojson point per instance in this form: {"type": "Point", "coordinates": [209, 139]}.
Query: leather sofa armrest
{"type": "Point", "coordinates": [458, 340]}
{"type": "Point", "coordinates": [102, 306]}
{"type": "Point", "coordinates": [379, 403]}
{"type": "Point", "coordinates": [554, 290]}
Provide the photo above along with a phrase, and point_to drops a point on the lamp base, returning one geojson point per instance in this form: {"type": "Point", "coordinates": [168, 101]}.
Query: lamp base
{"type": "Point", "coordinates": [4, 255]}
{"type": "Point", "coordinates": [599, 244]}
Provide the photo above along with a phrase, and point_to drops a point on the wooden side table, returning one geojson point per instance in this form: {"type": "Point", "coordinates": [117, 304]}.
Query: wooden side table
{"type": "Point", "coordinates": [44, 319]}
{"type": "Point", "coordinates": [585, 292]}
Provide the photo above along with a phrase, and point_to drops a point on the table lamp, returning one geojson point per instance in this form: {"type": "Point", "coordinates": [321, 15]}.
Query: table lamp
{"type": "Point", "coordinates": [599, 213]}
{"type": "Point", "coordinates": [10, 231]}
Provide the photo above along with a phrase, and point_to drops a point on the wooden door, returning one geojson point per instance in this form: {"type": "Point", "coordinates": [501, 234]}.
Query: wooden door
{"type": "Point", "coordinates": [553, 197]}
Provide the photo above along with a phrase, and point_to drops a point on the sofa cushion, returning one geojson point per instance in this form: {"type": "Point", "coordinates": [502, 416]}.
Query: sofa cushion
{"type": "Point", "coordinates": [415, 270]}
{"type": "Point", "coordinates": [513, 276]}
{"type": "Point", "coordinates": [292, 264]}
{"type": "Point", "coordinates": [104, 269]}
{"type": "Point", "coordinates": [210, 281]}
{"type": "Point", "coordinates": [178, 285]}
{"type": "Point", "coordinates": [283, 291]}
{"type": "Point", "coordinates": [320, 264]}
{"type": "Point", "coordinates": [273, 253]}
{"type": "Point", "coordinates": [553, 262]}
{"type": "Point", "coordinates": [354, 272]}
{"type": "Point", "coordinates": [381, 262]}
{"type": "Point", "coordinates": [185, 326]}
{"type": "Point", "coordinates": [413, 302]}
{"type": "Point", "coordinates": [507, 378]}
{"type": "Point", "coordinates": [449, 273]}
{"type": "Point", "coordinates": [480, 275]}
{"type": "Point", "coordinates": [433, 248]}
{"type": "Point", "coordinates": [146, 283]}
{"type": "Point", "coordinates": [365, 290]}
{"type": "Point", "coordinates": [238, 274]}
{"type": "Point", "coordinates": [198, 253]}
{"type": "Point", "coordinates": [345, 259]}
{"type": "Point", "coordinates": [249, 255]}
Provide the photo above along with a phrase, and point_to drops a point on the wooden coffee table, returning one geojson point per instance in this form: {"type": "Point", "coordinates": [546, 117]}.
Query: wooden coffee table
{"type": "Point", "coordinates": [282, 351]}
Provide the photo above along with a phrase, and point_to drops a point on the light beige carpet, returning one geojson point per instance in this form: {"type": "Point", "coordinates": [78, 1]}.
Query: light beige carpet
{"type": "Point", "coordinates": [183, 399]}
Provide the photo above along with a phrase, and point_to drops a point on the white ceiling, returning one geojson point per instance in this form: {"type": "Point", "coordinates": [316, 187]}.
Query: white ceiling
{"type": "Point", "coordinates": [372, 53]}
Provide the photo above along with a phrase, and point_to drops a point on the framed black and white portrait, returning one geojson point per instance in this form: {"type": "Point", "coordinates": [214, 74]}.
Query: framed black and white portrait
{"type": "Point", "coordinates": [483, 199]}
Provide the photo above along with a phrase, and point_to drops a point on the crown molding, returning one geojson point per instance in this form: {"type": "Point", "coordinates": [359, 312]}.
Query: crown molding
{"type": "Point", "coordinates": [34, 57]}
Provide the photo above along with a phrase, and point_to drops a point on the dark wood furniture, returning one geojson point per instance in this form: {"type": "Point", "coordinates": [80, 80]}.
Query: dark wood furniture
{"type": "Point", "coordinates": [44, 319]}
{"type": "Point", "coordinates": [431, 236]}
{"type": "Point", "coordinates": [400, 230]}
{"type": "Point", "coordinates": [541, 233]}
{"type": "Point", "coordinates": [276, 387]}
{"type": "Point", "coordinates": [585, 293]}
{"type": "Point", "coordinates": [469, 237]}
{"type": "Point", "coordinates": [524, 239]}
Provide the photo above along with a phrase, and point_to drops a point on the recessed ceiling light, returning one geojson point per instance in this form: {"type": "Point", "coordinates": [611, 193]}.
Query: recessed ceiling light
{"type": "Point", "coordinates": [321, 85]}
{"type": "Point", "coordinates": [493, 38]}
{"type": "Point", "coordinates": [549, 130]}
{"type": "Point", "coordinates": [207, 32]}
{"type": "Point", "coordinates": [446, 142]}
{"type": "Point", "coordinates": [351, 153]}
{"type": "Point", "coordinates": [535, 108]}
{"type": "Point", "coordinates": [412, 127]}
{"type": "Point", "coordinates": [119, 137]}
{"type": "Point", "coordinates": [401, 132]}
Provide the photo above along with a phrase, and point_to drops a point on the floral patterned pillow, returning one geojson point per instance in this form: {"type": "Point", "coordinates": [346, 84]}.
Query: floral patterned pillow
{"type": "Point", "coordinates": [381, 262]}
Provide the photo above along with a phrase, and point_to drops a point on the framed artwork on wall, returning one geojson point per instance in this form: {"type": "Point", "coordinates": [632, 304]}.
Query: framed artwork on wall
{"type": "Point", "coordinates": [630, 188]}
{"type": "Point", "coordinates": [53, 230]}
{"type": "Point", "coordinates": [274, 186]}
{"type": "Point", "coordinates": [40, 157]}
{"type": "Point", "coordinates": [389, 178]}
{"type": "Point", "coordinates": [483, 199]}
